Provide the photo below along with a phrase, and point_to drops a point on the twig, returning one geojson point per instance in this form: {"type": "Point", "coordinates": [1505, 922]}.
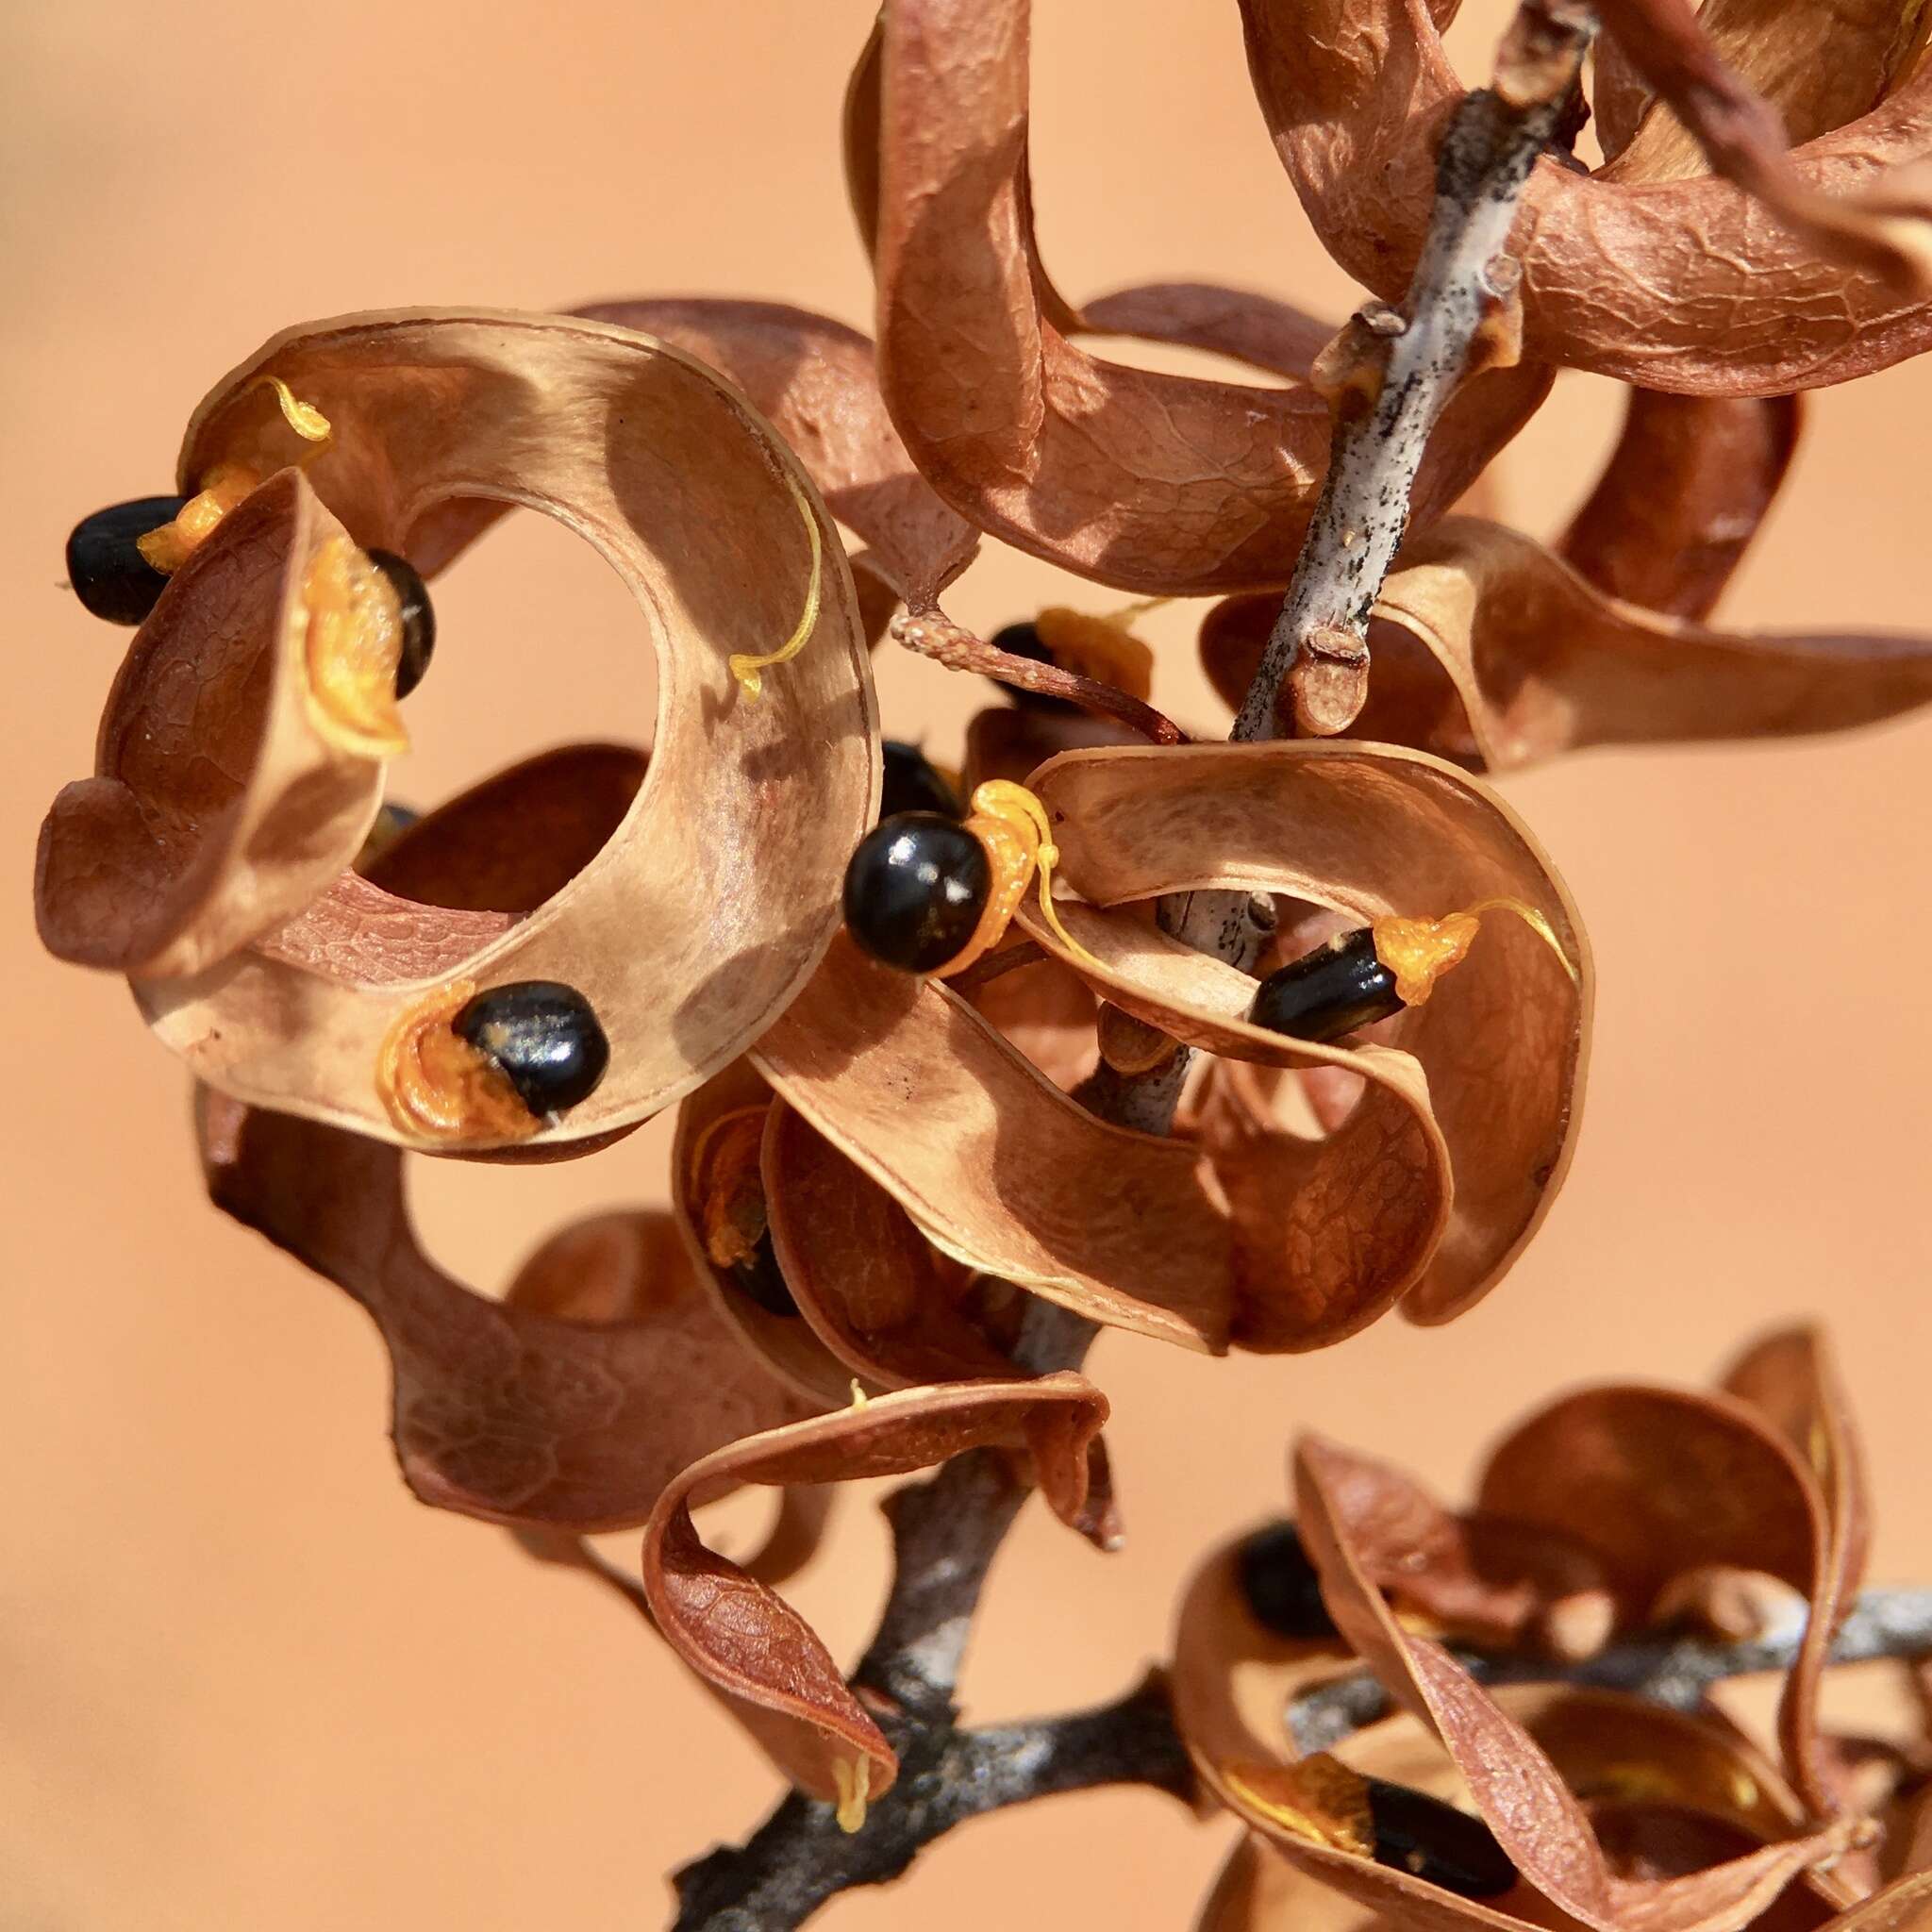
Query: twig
{"type": "Point", "coordinates": [1673, 1671]}
{"type": "Point", "coordinates": [934, 635]}
{"type": "Point", "coordinates": [798, 1859]}
{"type": "Point", "coordinates": [1390, 372]}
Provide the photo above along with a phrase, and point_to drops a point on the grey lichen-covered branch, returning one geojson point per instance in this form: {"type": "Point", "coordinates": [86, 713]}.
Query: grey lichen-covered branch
{"type": "Point", "coordinates": [1390, 372]}
{"type": "Point", "coordinates": [1676, 1670]}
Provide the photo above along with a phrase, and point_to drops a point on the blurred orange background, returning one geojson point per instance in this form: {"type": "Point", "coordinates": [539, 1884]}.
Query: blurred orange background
{"type": "Point", "coordinates": [247, 1681]}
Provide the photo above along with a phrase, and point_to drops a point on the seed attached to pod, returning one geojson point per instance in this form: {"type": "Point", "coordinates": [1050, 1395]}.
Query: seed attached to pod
{"type": "Point", "coordinates": [1328, 992]}
{"type": "Point", "coordinates": [1322, 1799]}
{"type": "Point", "coordinates": [1377, 970]}
{"type": "Point", "coordinates": [913, 783]}
{"type": "Point", "coordinates": [928, 895]}
{"type": "Point", "coordinates": [726, 1198]}
{"type": "Point", "coordinates": [416, 615]}
{"type": "Point", "coordinates": [109, 575]}
{"type": "Point", "coordinates": [1281, 1586]}
{"type": "Point", "coordinates": [542, 1037]}
{"type": "Point", "coordinates": [490, 1066]}
{"type": "Point", "coordinates": [916, 890]}
{"type": "Point", "coordinates": [761, 1278]}
{"type": "Point", "coordinates": [355, 651]}
{"type": "Point", "coordinates": [1442, 1846]}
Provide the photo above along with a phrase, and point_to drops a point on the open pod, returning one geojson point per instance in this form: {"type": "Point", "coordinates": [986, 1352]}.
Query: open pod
{"type": "Point", "coordinates": [1434, 1182]}
{"type": "Point", "coordinates": [813, 380]}
{"type": "Point", "coordinates": [1659, 1483]}
{"type": "Point", "coordinates": [722, 1203]}
{"type": "Point", "coordinates": [891, 1308]}
{"type": "Point", "coordinates": [996, 1165]}
{"type": "Point", "coordinates": [764, 1662]}
{"type": "Point", "coordinates": [573, 1421]}
{"type": "Point", "coordinates": [227, 794]}
{"type": "Point", "coordinates": [714, 896]}
{"type": "Point", "coordinates": [1491, 650]}
{"type": "Point", "coordinates": [1683, 285]}
{"type": "Point", "coordinates": [1791, 1380]}
{"type": "Point", "coordinates": [1513, 1780]}
{"type": "Point", "coordinates": [1684, 493]}
{"type": "Point", "coordinates": [607, 1369]}
{"type": "Point", "coordinates": [1154, 482]}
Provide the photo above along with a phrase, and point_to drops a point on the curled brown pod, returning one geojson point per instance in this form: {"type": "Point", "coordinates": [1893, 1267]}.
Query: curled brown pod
{"type": "Point", "coordinates": [1154, 482]}
{"type": "Point", "coordinates": [1494, 652]}
{"type": "Point", "coordinates": [1690, 286]}
{"type": "Point", "coordinates": [767, 1665]}
{"type": "Point", "coordinates": [226, 794]}
{"type": "Point", "coordinates": [683, 947]}
{"type": "Point", "coordinates": [1468, 1118]}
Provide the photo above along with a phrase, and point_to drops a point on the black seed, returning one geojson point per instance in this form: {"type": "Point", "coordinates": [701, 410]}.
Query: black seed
{"type": "Point", "coordinates": [419, 617]}
{"type": "Point", "coordinates": [1023, 640]}
{"type": "Point", "coordinates": [914, 891]}
{"type": "Point", "coordinates": [1329, 992]}
{"type": "Point", "coordinates": [112, 579]}
{"type": "Point", "coordinates": [912, 785]}
{"type": "Point", "coordinates": [760, 1275]}
{"type": "Point", "coordinates": [1414, 1832]}
{"type": "Point", "coordinates": [544, 1038]}
{"type": "Point", "coordinates": [1280, 1584]}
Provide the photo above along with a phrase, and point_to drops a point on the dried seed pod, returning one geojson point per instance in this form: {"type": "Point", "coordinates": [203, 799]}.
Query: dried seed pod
{"type": "Point", "coordinates": [722, 1203]}
{"type": "Point", "coordinates": [429, 413]}
{"type": "Point", "coordinates": [814, 378]}
{"type": "Point", "coordinates": [1537, 1816]}
{"type": "Point", "coordinates": [105, 567]}
{"type": "Point", "coordinates": [1686, 286]}
{"type": "Point", "coordinates": [1791, 1380]}
{"type": "Point", "coordinates": [228, 789]}
{"type": "Point", "coordinates": [763, 1660]}
{"type": "Point", "coordinates": [1157, 483]}
{"type": "Point", "coordinates": [1683, 495]}
{"type": "Point", "coordinates": [1492, 651]}
{"type": "Point", "coordinates": [1361, 829]}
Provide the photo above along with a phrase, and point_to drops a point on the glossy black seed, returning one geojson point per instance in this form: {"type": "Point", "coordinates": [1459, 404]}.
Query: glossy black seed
{"type": "Point", "coordinates": [911, 784]}
{"type": "Point", "coordinates": [914, 889]}
{"type": "Point", "coordinates": [1329, 992]}
{"type": "Point", "coordinates": [1444, 1846]}
{"type": "Point", "coordinates": [543, 1035]}
{"type": "Point", "coordinates": [1280, 1584]}
{"type": "Point", "coordinates": [419, 617]}
{"type": "Point", "coordinates": [1023, 640]}
{"type": "Point", "coordinates": [112, 579]}
{"type": "Point", "coordinates": [760, 1275]}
